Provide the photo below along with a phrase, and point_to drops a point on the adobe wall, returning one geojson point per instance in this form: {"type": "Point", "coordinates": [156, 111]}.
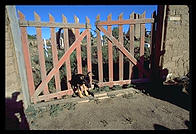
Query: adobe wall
{"type": "Point", "coordinates": [176, 57]}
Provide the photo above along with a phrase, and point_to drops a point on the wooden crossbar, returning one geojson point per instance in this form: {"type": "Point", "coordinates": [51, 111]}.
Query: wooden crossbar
{"type": "Point", "coordinates": [130, 21]}
{"type": "Point", "coordinates": [24, 23]}
{"type": "Point", "coordinates": [123, 50]}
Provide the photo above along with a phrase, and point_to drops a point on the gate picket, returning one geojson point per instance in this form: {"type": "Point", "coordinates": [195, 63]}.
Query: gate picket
{"type": "Point", "coordinates": [78, 48]}
{"type": "Point", "coordinates": [110, 51]}
{"type": "Point", "coordinates": [41, 52]}
{"type": "Point", "coordinates": [68, 64]}
{"type": "Point", "coordinates": [120, 53]}
{"type": "Point", "coordinates": [131, 38]}
{"type": "Point", "coordinates": [54, 54]}
{"type": "Point", "coordinates": [25, 48]}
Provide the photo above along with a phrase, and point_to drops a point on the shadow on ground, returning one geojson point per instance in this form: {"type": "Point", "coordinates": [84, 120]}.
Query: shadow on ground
{"type": "Point", "coordinates": [14, 108]}
{"type": "Point", "coordinates": [160, 127]}
{"type": "Point", "coordinates": [172, 93]}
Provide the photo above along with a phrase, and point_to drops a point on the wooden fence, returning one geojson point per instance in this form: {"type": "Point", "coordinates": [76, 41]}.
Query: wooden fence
{"type": "Point", "coordinates": [35, 93]}
{"type": "Point", "coordinates": [43, 86]}
{"type": "Point", "coordinates": [122, 50]}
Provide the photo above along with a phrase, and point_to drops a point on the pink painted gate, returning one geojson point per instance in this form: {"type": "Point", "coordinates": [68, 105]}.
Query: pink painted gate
{"type": "Point", "coordinates": [35, 93]}
{"type": "Point", "coordinates": [43, 86]}
{"type": "Point", "coordinates": [122, 50]}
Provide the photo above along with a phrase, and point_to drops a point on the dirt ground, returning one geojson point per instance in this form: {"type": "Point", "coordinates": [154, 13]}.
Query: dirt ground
{"type": "Point", "coordinates": [133, 111]}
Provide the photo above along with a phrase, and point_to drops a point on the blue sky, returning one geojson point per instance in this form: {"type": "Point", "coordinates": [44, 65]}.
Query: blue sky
{"type": "Point", "coordinates": [81, 11]}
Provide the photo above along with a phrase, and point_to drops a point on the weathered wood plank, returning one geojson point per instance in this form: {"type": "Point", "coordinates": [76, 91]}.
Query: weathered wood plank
{"type": "Point", "coordinates": [78, 49]}
{"type": "Point", "coordinates": [24, 23]}
{"type": "Point", "coordinates": [130, 21]}
{"type": "Point", "coordinates": [53, 95]}
{"type": "Point", "coordinates": [55, 54]}
{"type": "Point", "coordinates": [131, 36]}
{"type": "Point", "coordinates": [89, 63]}
{"type": "Point", "coordinates": [110, 50]}
{"type": "Point", "coordinates": [121, 67]}
{"type": "Point", "coordinates": [41, 52]}
{"type": "Point", "coordinates": [122, 82]}
{"type": "Point", "coordinates": [142, 38]}
{"type": "Point", "coordinates": [99, 52]}
{"type": "Point", "coordinates": [68, 65]}
{"type": "Point", "coordinates": [152, 44]}
{"type": "Point", "coordinates": [27, 58]}
{"type": "Point", "coordinates": [161, 12]}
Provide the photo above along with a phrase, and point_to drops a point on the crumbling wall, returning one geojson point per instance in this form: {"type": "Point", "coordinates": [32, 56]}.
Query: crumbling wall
{"type": "Point", "coordinates": [176, 57]}
{"type": "Point", "coordinates": [12, 81]}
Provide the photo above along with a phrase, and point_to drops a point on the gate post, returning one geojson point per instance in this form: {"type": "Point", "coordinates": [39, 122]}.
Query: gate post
{"type": "Point", "coordinates": [16, 35]}
{"type": "Point", "coordinates": [160, 19]}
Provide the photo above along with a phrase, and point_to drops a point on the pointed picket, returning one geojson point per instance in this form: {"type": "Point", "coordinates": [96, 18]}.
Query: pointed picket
{"type": "Point", "coordinates": [131, 39]}
{"type": "Point", "coordinates": [131, 16]}
{"type": "Point", "coordinates": [109, 17]}
{"type": "Point", "coordinates": [64, 18]}
{"type": "Point", "coordinates": [37, 17]}
{"type": "Point", "coordinates": [51, 18]}
{"type": "Point", "coordinates": [87, 20]}
{"type": "Point", "coordinates": [26, 52]}
{"type": "Point", "coordinates": [98, 17]}
{"type": "Point", "coordinates": [120, 17]}
{"type": "Point", "coordinates": [121, 68]}
{"type": "Point", "coordinates": [67, 62]}
{"type": "Point", "coordinates": [76, 19]}
{"type": "Point", "coordinates": [142, 39]}
{"type": "Point", "coordinates": [21, 15]}
{"type": "Point", "coordinates": [54, 53]}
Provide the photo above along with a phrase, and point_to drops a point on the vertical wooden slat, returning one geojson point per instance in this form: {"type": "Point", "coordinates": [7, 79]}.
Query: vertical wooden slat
{"type": "Point", "coordinates": [142, 38]}
{"type": "Point", "coordinates": [110, 51]}
{"type": "Point", "coordinates": [78, 49]}
{"type": "Point", "coordinates": [159, 35]}
{"type": "Point", "coordinates": [41, 53]}
{"type": "Point", "coordinates": [131, 36]}
{"type": "Point", "coordinates": [54, 54]}
{"type": "Point", "coordinates": [66, 42]}
{"type": "Point", "coordinates": [89, 65]}
{"type": "Point", "coordinates": [25, 48]}
{"type": "Point", "coordinates": [99, 52]}
{"type": "Point", "coordinates": [152, 46]}
{"type": "Point", "coordinates": [120, 53]}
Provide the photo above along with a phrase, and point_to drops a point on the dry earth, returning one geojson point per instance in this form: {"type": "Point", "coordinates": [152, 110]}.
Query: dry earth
{"type": "Point", "coordinates": [133, 111]}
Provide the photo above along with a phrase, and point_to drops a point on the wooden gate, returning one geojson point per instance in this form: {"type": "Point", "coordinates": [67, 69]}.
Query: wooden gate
{"type": "Point", "coordinates": [122, 50]}
{"type": "Point", "coordinates": [41, 93]}
{"type": "Point", "coordinates": [43, 86]}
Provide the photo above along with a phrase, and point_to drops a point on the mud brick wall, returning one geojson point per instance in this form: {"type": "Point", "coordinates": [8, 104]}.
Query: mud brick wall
{"type": "Point", "coordinates": [176, 57]}
{"type": "Point", "coordinates": [12, 81]}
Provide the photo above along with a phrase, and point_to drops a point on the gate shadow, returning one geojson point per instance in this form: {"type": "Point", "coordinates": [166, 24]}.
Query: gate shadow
{"type": "Point", "coordinates": [13, 107]}
{"type": "Point", "coordinates": [172, 93]}
{"type": "Point", "coordinates": [160, 127]}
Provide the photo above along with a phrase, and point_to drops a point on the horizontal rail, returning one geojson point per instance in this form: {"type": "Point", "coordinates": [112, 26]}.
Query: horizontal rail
{"type": "Point", "coordinates": [130, 21]}
{"type": "Point", "coordinates": [51, 25]}
{"type": "Point", "coordinates": [52, 95]}
{"type": "Point", "coordinates": [122, 82]}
